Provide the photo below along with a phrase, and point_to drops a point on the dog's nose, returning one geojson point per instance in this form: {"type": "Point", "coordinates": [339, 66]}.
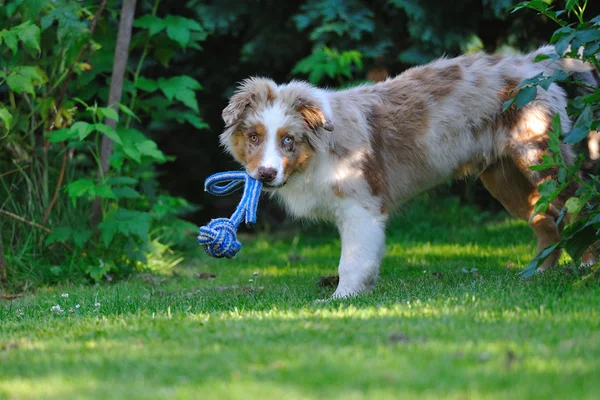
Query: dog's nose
{"type": "Point", "coordinates": [266, 175]}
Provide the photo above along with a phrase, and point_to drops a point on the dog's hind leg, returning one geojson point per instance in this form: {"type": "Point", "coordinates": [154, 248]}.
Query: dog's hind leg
{"type": "Point", "coordinates": [531, 154]}
{"type": "Point", "coordinates": [505, 181]}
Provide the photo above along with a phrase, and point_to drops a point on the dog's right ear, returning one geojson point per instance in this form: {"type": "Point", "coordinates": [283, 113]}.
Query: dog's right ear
{"type": "Point", "coordinates": [251, 93]}
{"type": "Point", "coordinates": [236, 107]}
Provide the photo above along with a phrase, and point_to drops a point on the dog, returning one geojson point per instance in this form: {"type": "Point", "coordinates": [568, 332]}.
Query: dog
{"type": "Point", "coordinates": [353, 156]}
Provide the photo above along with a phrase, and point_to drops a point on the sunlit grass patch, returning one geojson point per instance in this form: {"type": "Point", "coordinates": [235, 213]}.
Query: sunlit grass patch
{"type": "Point", "coordinates": [450, 318]}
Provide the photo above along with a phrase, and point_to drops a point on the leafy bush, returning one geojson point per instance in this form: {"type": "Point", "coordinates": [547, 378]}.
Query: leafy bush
{"type": "Point", "coordinates": [56, 60]}
{"type": "Point", "coordinates": [581, 214]}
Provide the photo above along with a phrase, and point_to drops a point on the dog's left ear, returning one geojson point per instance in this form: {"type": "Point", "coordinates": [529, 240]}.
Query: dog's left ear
{"type": "Point", "coordinates": [313, 115]}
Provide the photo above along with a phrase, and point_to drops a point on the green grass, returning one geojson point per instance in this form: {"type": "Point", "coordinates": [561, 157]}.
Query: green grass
{"type": "Point", "coordinates": [428, 331]}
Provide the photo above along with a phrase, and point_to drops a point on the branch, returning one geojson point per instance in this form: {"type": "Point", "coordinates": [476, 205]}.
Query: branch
{"type": "Point", "coordinates": [58, 185]}
{"type": "Point", "coordinates": [34, 224]}
{"type": "Point", "coordinates": [2, 175]}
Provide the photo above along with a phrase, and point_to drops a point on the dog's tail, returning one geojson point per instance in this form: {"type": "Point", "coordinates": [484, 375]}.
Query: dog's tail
{"type": "Point", "coordinates": [553, 64]}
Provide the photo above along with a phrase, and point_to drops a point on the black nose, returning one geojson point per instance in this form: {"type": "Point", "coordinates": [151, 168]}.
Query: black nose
{"type": "Point", "coordinates": [266, 175]}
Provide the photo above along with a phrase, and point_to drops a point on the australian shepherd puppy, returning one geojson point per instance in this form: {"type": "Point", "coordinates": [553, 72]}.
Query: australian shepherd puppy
{"type": "Point", "coordinates": [352, 156]}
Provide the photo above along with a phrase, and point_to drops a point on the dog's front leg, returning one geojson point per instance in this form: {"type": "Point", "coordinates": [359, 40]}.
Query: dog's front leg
{"type": "Point", "coordinates": [363, 246]}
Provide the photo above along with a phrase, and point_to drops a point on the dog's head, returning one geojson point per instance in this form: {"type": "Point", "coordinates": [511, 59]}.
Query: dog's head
{"type": "Point", "coordinates": [273, 130]}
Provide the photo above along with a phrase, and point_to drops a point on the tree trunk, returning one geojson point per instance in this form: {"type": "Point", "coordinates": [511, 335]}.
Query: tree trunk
{"type": "Point", "coordinates": [116, 90]}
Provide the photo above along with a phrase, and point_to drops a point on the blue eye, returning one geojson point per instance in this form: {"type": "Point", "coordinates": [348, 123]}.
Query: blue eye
{"type": "Point", "coordinates": [288, 140]}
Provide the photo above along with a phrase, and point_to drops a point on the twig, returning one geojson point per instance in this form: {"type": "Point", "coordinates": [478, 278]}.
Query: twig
{"type": "Point", "coordinates": [18, 218]}
{"type": "Point", "coordinates": [58, 185]}
{"type": "Point", "coordinates": [35, 224]}
{"type": "Point", "coordinates": [2, 175]}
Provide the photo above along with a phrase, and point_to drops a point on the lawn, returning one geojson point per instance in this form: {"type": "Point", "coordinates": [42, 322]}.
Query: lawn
{"type": "Point", "coordinates": [434, 328]}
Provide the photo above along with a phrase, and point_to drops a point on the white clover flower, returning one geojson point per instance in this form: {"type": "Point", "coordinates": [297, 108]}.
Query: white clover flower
{"type": "Point", "coordinates": [77, 306]}
{"type": "Point", "coordinates": [96, 304]}
{"type": "Point", "coordinates": [255, 273]}
{"type": "Point", "coordinates": [56, 309]}
{"type": "Point", "coordinates": [250, 280]}
{"type": "Point", "coordinates": [65, 295]}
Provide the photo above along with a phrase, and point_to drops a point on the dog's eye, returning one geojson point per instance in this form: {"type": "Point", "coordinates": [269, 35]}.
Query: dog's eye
{"type": "Point", "coordinates": [288, 140]}
{"type": "Point", "coordinates": [254, 138]}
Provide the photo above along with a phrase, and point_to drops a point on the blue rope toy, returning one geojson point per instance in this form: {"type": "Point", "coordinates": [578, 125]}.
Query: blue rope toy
{"type": "Point", "coordinates": [219, 236]}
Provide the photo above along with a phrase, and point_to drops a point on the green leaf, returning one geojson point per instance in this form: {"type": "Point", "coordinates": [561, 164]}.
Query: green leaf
{"type": "Point", "coordinates": [150, 149]}
{"type": "Point", "coordinates": [81, 237]}
{"type": "Point", "coordinates": [581, 127]}
{"type": "Point", "coordinates": [580, 241]}
{"type": "Point", "coordinates": [127, 111]}
{"type": "Point", "coordinates": [23, 79]}
{"type": "Point", "coordinates": [153, 23]}
{"type": "Point", "coordinates": [525, 96]}
{"type": "Point", "coordinates": [573, 205]}
{"type": "Point", "coordinates": [60, 234]}
{"type": "Point", "coordinates": [61, 135]}
{"type": "Point", "coordinates": [147, 85]}
{"type": "Point", "coordinates": [177, 31]}
{"type": "Point", "coordinates": [80, 188]}
{"type": "Point", "coordinates": [126, 222]}
{"type": "Point", "coordinates": [122, 180]}
{"type": "Point", "coordinates": [507, 104]}
{"type": "Point", "coordinates": [547, 163]}
{"type": "Point", "coordinates": [99, 271]}
{"type": "Point", "coordinates": [126, 193]}
{"type": "Point", "coordinates": [177, 85]}
{"type": "Point", "coordinates": [29, 34]}
{"type": "Point", "coordinates": [538, 259]}
{"type": "Point", "coordinates": [6, 117]}
{"type": "Point", "coordinates": [104, 191]}
{"type": "Point", "coordinates": [132, 152]}
{"type": "Point", "coordinates": [191, 118]}
{"type": "Point", "coordinates": [548, 188]}
{"type": "Point", "coordinates": [108, 131]}
{"type": "Point", "coordinates": [108, 112]}
{"type": "Point", "coordinates": [188, 98]}
{"type": "Point", "coordinates": [81, 129]}
{"type": "Point", "coordinates": [10, 39]}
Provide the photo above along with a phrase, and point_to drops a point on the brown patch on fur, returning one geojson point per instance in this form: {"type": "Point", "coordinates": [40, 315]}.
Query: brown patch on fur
{"type": "Point", "coordinates": [439, 83]}
{"type": "Point", "coordinates": [260, 129]}
{"type": "Point", "coordinates": [395, 127]}
{"type": "Point", "coordinates": [337, 191]}
{"type": "Point", "coordinates": [304, 156]}
{"type": "Point", "coordinates": [313, 116]}
{"type": "Point", "coordinates": [282, 132]}
{"type": "Point", "coordinates": [238, 147]}
{"type": "Point", "coordinates": [480, 81]}
{"type": "Point", "coordinates": [271, 95]}
{"type": "Point", "coordinates": [254, 158]}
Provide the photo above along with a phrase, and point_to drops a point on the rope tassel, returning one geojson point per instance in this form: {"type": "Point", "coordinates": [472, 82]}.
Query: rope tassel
{"type": "Point", "coordinates": [219, 236]}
